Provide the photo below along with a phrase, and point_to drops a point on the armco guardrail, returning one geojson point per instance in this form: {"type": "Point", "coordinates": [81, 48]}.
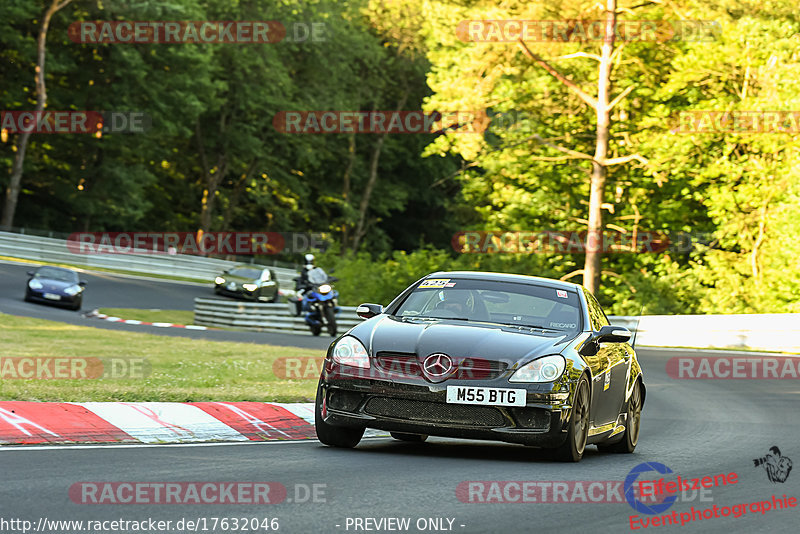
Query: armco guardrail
{"type": "Point", "coordinates": [184, 265]}
{"type": "Point", "coordinates": [770, 331]}
{"type": "Point", "coordinates": [261, 316]}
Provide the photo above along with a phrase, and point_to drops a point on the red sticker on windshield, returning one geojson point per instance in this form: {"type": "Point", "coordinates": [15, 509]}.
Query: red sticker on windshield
{"type": "Point", "coordinates": [561, 293]}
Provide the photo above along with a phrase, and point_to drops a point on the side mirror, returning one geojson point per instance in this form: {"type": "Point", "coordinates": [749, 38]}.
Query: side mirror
{"type": "Point", "coordinates": [606, 334]}
{"type": "Point", "coordinates": [82, 283]}
{"type": "Point", "coordinates": [613, 334]}
{"type": "Point", "coordinates": [367, 311]}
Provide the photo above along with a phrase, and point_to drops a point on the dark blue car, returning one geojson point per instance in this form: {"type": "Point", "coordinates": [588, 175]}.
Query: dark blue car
{"type": "Point", "coordinates": [55, 285]}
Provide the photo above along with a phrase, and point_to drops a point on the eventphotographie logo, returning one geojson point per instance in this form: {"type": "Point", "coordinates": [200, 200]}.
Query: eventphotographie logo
{"type": "Point", "coordinates": [777, 467]}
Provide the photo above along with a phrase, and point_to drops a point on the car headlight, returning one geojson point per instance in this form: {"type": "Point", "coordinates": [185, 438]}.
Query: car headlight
{"type": "Point", "coordinates": [324, 289]}
{"type": "Point", "coordinates": [250, 287]}
{"type": "Point", "coordinates": [350, 351]}
{"type": "Point", "coordinates": [219, 280]}
{"type": "Point", "coordinates": [35, 284]}
{"type": "Point", "coordinates": [544, 369]}
{"type": "Point", "coordinates": [73, 290]}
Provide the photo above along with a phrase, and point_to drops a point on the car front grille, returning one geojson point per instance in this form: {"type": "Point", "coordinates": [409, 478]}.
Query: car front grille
{"type": "Point", "coordinates": [399, 363]}
{"type": "Point", "coordinates": [479, 369]}
{"type": "Point", "coordinates": [434, 412]}
{"type": "Point", "coordinates": [409, 365]}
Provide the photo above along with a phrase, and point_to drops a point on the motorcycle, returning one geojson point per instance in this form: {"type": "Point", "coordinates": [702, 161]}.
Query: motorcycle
{"type": "Point", "coordinates": [320, 302]}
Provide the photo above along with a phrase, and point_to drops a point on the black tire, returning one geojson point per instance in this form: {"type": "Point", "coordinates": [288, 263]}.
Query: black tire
{"type": "Point", "coordinates": [413, 438]}
{"type": "Point", "coordinates": [573, 448]}
{"type": "Point", "coordinates": [315, 329]}
{"type": "Point", "coordinates": [632, 424]}
{"type": "Point", "coordinates": [28, 297]}
{"type": "Point", "coordinates": [330, 319]}
{"type": "Point", "coordinates": [334, 436]}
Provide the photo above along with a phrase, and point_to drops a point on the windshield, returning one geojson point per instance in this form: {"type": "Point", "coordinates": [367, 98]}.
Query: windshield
{"type": "Point", "coordinates": [505, 303]}
{"type": "Point", "coordinates": [51, 273]}
{"type": "Point", "coordinates": [317, 276]}
{"type": "Point", "coordinates": [246, 272]}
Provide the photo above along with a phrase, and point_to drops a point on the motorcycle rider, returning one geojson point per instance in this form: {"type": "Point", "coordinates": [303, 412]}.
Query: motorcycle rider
{"type": "Point", "coordinates": [303, 284]}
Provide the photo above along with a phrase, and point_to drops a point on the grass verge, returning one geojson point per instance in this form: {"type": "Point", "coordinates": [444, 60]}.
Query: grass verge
{"type": "Point", "coordinates": [180, 369]}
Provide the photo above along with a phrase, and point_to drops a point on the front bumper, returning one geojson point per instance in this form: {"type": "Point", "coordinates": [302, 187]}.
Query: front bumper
{"type": "Point", "coordinates": [64, 299]}
{"type": "Point", "coordinates": [419, 407]}
{"type": "Point", "coordinates": [239, 292]}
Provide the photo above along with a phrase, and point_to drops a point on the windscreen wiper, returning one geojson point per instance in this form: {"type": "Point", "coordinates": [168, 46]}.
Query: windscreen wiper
{"type": "Point", "coordinates": [532, 327]}
{"type": "Point", "coordinates": [424, 317]}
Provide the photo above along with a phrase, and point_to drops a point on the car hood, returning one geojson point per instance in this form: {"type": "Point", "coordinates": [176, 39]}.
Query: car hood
{"type": "Point", "coordinates": [458, 339]}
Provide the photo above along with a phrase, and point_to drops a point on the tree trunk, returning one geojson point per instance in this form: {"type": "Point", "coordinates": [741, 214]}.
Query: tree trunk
{"type": "Point", "coordinates": [212, 177]}
{"type": "Point", "coordinates": [236, 194]}
{"type": "Point", "coordinates": [12, 191]}
{"type": "Point", "coordinates": [360, 229]}
{"type": "Point", "coordinates": [594, 238]}
{"type": "Point", "coordinates": [351, 160]}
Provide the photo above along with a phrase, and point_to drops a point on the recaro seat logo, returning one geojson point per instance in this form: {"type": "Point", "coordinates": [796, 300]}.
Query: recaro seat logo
{"type": "Point", "coordinates": [630, 483]}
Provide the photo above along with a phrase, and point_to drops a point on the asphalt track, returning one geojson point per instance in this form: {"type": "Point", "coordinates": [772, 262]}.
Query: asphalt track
{"type": "Point", "coordinates": [105, 290]}
{"type": "Point", "coordinates": [696, 427]}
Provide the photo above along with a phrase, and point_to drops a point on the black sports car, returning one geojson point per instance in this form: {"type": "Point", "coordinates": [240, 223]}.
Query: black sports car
{"type": "Point", "coordinates": [248, 281]}
{"type": "Point", "coordinates": [55, 285]}
{"type": "Point", "coordinates": [485, 356]}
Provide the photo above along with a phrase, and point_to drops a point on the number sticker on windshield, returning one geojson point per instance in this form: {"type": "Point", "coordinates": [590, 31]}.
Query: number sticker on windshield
{"type": "Point", "coordinates": [561, 293]}
{"type": "Point", "coordinates": [436, 283]}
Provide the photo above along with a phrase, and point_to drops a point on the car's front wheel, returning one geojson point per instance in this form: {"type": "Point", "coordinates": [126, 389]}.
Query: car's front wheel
{"type": "Point", "coordinates": [330, 435]}
{"type": "Point", "coordinates": [575, 444]}
{"type": "Point", "coordinates": [632, 424]}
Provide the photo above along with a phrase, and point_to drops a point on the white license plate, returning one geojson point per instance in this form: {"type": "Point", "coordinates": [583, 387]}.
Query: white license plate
{"type": "Point", "coordinates": [52, 296]}
{"type": "Point", "coordinates": [487, 396]}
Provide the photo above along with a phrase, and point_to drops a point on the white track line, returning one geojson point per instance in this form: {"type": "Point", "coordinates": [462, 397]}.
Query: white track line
{"type": "Point", "coordinates": [6, 448]}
